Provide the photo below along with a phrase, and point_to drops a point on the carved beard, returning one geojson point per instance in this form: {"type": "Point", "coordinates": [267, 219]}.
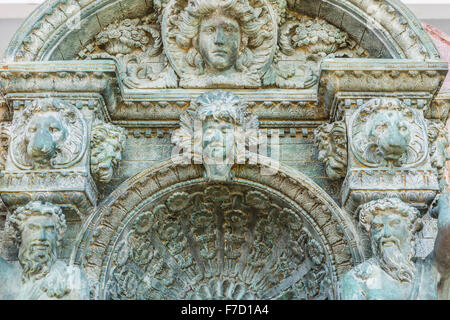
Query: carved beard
{"type": "Point", "coordinates": [36, 265]}
{"type": "Point", "coordinates": [396, 264]}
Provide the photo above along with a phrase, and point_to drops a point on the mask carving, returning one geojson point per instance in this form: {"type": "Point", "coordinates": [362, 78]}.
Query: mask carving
{"type": "Point", "coordinates": [331, 139]}
{"type": "Point", "coordinates": [225, 125]}
{"type": "Point", "coordinates": [107, 144]}
{"type": "Point", "coordinates": [387, 133]}
{"type": "Point", "coordinates": [226, 43]}
{"type": "Point", "coordinates": [50, 133]}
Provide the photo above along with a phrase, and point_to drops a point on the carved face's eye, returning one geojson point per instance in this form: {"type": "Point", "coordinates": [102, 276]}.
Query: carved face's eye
{"type": "Point", "coordinates": [377, 226]}
{"type": "Point", "coordinates": [32, 129]}
{"type": "Point", "coordinates": [381, 126]}
{"type": "Point", "coordinates": [209, 29]}
{"type": "Point", "coordinates": [54, 129]}
{"type": "Point", "coordinates": [402, 128]}
{"type": "Point", "coordinates": [229, 29]}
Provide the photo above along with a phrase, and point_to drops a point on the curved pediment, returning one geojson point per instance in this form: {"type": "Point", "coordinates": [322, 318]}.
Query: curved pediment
{"type": "Point", "coordinates": [278, 44]}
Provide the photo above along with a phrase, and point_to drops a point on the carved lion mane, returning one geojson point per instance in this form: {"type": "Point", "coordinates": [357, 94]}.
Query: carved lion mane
{"type": "Point", "coordinates": [36, 142]}
{"type": "Point", "coordinates": [386, 131]}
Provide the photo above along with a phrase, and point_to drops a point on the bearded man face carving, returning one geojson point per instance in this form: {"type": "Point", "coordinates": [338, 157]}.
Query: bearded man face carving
{"type": "Point", "coordinates": [393, 273]}
{"type": "Point", "coordinates": [40, 275]}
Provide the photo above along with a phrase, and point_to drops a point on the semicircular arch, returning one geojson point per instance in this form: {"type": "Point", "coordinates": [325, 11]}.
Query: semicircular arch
{"type": "Point", "coordinates": [287, 201]}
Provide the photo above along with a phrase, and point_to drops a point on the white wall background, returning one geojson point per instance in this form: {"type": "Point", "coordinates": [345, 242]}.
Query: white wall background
{"type": "Point", "coordinates": [14, 12]}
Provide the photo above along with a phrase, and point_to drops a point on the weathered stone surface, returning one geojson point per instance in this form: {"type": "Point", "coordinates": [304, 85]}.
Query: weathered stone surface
{"type": "Point", "coordinates": [317, 126]}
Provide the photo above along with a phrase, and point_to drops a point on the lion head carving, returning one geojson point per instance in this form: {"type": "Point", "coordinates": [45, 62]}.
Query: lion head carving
{"type": "Point", "coordinates": [50, 133]}
{"type": "Point", "coordinates": [386, 132]}
{"type": "Point", "coordinates": [107, 144]}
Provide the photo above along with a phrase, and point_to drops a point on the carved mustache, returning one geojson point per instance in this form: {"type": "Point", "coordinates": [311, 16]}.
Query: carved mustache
{"type": "Point", "coordinates": [383, 241]}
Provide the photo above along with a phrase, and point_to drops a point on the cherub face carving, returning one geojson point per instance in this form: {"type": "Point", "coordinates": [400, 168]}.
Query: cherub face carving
{"type": "Point", "coordinates": [225, 125]}
{"type": "Point", "coordinates": [218, 140]}
{"type": "Point", "coordinates": [219, 41]}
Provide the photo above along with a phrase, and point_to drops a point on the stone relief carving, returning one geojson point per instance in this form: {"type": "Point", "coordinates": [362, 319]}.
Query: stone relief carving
{"type": "Point", "coordinates": [331, 140]}
{"type": "Point", "coordinates": [226, 43]}
{"type": "Point", "coordinates": [39, 274]}
{"type": "Point", "coordinates": [49, 133]}
{"type": "Point", "coordinates": [387, 133]}
{"type": "Point", "coordinates": [392, 273]}
{"type": "Point", "coordinates": [226, 129]}
{"type": "Point", "coordinates": [302, 44]}
{"type": "Point", "coordinates": [172, 256]}
{"type": "Point", "coordinates": [136, 44]}
{"type": "Point", "coordinates": [224, 242]}
{"type": "Point", "coordinates": [107, 144]}
{"type": "Point", "coordinates": [4, 143]}
{"type": "Point", "coordinates": [438, 142]}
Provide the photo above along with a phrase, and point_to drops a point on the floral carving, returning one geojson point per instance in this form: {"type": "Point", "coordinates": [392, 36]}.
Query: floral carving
{"type": "Point", "coordinates": [136, 45]}
{"type": "Point", "coordinates": [226, 289]}
{"type": "Point", "coordinates": [49, 133]}
{"type": "Point", "coordinates": [302, 44]}
{"type": "Point", "coordinates": [224, 247]}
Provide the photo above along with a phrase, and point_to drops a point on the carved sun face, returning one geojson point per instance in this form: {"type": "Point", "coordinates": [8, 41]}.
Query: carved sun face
{"type": "Point", "coordinates": [39, 235]}
{"type": "Point", "coordinates": [218, 141]}
{"type": "Point", "coordinates": [219, 41]}
{"type": "Point", "coordinates": [44, 133]}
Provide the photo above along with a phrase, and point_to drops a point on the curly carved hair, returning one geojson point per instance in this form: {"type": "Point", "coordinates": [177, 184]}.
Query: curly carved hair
{"type": "Point", "coordinates": [394, 205]}
{"type": "Point", "coordinates": [219, 105]}
{"type": "Point", "coordinates": [37, 209]}
{"type": "Point", "coordinates": [70, 149]}
{"type": "Point", "coordinates": [252, 35]}
{"type": "Point", "coordinates": [102, 131]}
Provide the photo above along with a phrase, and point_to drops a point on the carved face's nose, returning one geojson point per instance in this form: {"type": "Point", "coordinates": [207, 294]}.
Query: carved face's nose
{"type": "Point", "coordinates": [219, 36]}
{"type": "Point", "coordinates": [41, 145]}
